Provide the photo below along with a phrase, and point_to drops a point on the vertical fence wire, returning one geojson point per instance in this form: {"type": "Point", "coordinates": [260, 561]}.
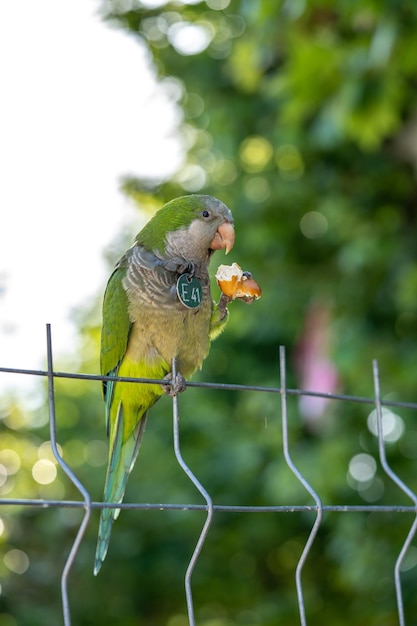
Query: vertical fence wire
{"type": "Point", "coordinates": [83, 491]}
{"type": "Point", "coordinates": [204, 493]}
{"type": "Point", "coordinates": [303, 481]}
{"type": "Point", "coordinates": [400, 483]}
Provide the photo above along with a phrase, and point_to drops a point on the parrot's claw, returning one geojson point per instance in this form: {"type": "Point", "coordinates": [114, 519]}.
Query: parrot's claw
{"type": "Point", "coordinates": [174, 388]}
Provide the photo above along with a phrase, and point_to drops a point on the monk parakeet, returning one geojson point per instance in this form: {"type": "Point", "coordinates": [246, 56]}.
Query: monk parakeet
{"type": "Point", "coordinates": [157, 306]}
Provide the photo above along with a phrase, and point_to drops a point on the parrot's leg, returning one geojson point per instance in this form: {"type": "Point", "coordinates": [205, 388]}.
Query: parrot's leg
{"type": "Point", "coordinates": [173, 388]}
{"type": "Point", "coordinates": [222, 306]}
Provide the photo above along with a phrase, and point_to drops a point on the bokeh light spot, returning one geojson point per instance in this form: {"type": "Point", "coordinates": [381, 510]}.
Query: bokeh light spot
{"type": "Point", "coordinates": [408, 445]}
{"type": "Point", "coordinates": [218, 5]}
{"type": "Point", "coordinates": [155, 29]}
{"type": "Point", "coordinates": [224, 172]}
{"type": "Point", "coordinates": [189, 39]}
{"type": "Point", "coordinates": [192, 178]}
{"type": "Point", "coordinates": [362, 467]}
{"type": "Point", "coordinates": [178, 620]}
{"type": "Point", "coordinates": [153, 4]}
{"type": "Point", "coordinates": [96, 453]}
{"type": "Point", "coordinates": [410, 559]}
{"type": "Point", "coordinates": [257, 189]}
{"type": "Point", "coordinates": [194, 105]}
{"type": "Point", "coordinates": [313, 225]}
{"type": "Point", "coordinates": [75, 452]}
{"type": "Point", "coordinates": [255, 153]}
{"type": "Point", "coordinates": [392, 425]}
{"type": "Point", "coordinates": [10, 460]}
{"type": "Point", "coordinates": [16, 561]}
{"type": "Point", "coordinates": [289, 162]}
{"type": "Point", "coordinates": [44, 472]}
{"type": "Point", "coordinates": [371, 491]}
{"type": "Point", "coordinates": [3, 475]}
{"type": "Point", "coordinates": [45, 451]}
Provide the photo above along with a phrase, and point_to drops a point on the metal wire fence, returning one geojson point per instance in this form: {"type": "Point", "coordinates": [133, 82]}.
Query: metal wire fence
{"type": "Point", "coordinates": [209, 507]}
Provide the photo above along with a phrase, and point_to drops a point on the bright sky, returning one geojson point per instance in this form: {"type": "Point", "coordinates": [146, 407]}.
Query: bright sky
{"type": "Point", "coordinates": [79, 109]}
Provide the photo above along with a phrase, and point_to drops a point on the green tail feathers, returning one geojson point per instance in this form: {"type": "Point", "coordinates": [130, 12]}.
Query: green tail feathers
{"type": "Point", "coordinates": [122, 459]}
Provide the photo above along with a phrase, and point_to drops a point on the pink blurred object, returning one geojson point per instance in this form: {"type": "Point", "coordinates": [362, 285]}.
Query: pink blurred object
{"type": "Point", "coordinates": [313, 365]}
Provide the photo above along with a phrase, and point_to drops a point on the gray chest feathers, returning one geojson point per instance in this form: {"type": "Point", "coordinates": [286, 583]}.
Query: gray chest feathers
{"type": "Point", "coordinates": [163, 326]}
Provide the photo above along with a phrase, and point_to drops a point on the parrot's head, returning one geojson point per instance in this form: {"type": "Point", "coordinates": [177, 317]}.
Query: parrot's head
{"type": "Point", "coordinates": [190, 227]}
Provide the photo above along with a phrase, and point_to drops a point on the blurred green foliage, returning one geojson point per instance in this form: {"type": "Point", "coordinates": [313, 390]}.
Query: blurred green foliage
{"type": "Point", "coordinates": [301, 116]}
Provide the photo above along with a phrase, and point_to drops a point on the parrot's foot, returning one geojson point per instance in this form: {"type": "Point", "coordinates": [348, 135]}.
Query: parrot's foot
{"type": "Point", "coordinates": [173, 388]}
{"type": "Point", "coordinates": [223, 302]}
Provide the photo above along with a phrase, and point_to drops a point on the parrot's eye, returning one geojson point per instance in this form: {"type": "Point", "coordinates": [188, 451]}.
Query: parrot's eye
{"type": "Point", "coordinates": [205, 214]}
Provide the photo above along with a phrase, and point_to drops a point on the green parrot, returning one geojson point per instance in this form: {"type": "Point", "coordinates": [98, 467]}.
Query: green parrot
{"type": "Point", "coordinates": [157, 306]}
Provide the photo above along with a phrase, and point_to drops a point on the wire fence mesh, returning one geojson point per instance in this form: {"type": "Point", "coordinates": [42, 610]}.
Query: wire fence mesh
{"type": "Point", "coordinates": [85, 502]}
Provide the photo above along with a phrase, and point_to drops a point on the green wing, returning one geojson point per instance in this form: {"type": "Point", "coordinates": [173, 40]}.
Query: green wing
{"type": "Point", "coordinates": [115, 331]}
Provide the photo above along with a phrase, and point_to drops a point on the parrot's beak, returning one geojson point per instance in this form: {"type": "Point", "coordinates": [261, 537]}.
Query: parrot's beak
{"type": "Point", "coordinates": [224, 237]}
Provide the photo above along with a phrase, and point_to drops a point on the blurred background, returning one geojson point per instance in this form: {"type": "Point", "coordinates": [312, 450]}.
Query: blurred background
{"type": "Point", "coordinates": [302, 117]}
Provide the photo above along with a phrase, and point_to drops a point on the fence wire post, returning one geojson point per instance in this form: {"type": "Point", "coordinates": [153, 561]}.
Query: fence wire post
{"type": "Point", "coordinates": [204, 493]}
{"type": "Point", "coordinates": [397, 480]}
{"type": "Point", "coordinates": [71, 476]}
{"type": "Point", "coordinates": [303, 481]}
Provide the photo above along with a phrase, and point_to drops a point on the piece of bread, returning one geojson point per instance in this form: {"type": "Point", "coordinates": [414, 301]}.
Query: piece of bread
{"type": "Point", "coordinates": [236, 283]}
